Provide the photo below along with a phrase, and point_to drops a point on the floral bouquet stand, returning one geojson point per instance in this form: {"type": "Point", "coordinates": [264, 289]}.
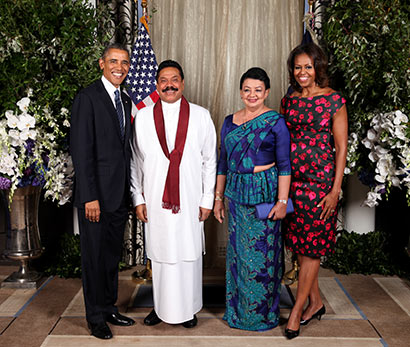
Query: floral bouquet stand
{"type": "Point", "coordinates": [30, 160]}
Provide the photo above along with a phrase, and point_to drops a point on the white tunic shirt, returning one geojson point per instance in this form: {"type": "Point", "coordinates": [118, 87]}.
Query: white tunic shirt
{"type": "Point", "coordinates": [171, 238]}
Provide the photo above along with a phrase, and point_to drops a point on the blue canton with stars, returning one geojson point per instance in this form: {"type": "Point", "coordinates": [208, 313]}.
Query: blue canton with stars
{"type": "Point", "coordinates": [141, 76]}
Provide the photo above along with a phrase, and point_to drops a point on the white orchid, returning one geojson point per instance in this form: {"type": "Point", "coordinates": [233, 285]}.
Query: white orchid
{"type": "Point", "coordinates": [25, 137]}
{"type": "Point", "coordinates": [26, 122]}
{"type": "Point", "coordinates": [389, 149]}
{"type": "Point", "coordinates": [15, 139]}
{"type": "Point", "coordinates": [12, 119]}
{"type": "Point", "coordinates": [372, 199]}
{"type": "Point", "coordinates": [400, 132]}
{"type": "Point", "coordinates": [7, 164]}
{"type": "Point", "coordinates": [23, 104]}
{"type": "Point", "coordinates": [64, 111]}
{"type": "Point", "coordinates": [400, 117]}
{"type": "Point", "coordinates": [371, 135]}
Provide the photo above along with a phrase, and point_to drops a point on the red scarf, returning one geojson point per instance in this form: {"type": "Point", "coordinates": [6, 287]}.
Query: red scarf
{"type": "Point", "coordinates": [170, 199]}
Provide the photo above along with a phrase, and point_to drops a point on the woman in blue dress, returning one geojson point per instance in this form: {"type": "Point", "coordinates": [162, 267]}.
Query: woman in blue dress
{"type": "Point", "coordinates": [253, 168]}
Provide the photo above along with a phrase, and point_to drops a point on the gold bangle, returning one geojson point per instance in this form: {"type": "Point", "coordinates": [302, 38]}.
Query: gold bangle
{"type": "Point", "coordinates": [218, 198]}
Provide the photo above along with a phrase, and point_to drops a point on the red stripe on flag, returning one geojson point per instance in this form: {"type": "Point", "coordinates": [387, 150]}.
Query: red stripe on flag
{"type": "Point", "coordinates": [154, 96]}
{"type": "Point", "coordinates": [140, 105]}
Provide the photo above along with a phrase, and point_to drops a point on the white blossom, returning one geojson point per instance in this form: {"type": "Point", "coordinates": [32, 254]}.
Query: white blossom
{"type": "Point", "coordinates": [26, 122]}
{"type": "Point", "coordinates": [23, 104]}
{"type": "Point", "coordinates": [12, 119]}
{"type": "Point", "coordinates": [400, 117]}
{"type": "Point", "coordinates": [371, 135]}
{"type": "Point", "coordinates": [367, 143]}
{"type": "Point", "coordinates": [64, 111]}
{"type": "Point", "coordinates": [371, 199]}
{"type": "Point", "coordinates": [15, 131]}
{"type": "Point", "coordinates": [14, 137]}
{"type": "Point", "coordinates": [7, 163]}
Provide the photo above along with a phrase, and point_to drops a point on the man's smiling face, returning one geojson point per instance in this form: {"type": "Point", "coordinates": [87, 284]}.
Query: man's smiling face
{"type": "Point", "coordinates": [115, 66]}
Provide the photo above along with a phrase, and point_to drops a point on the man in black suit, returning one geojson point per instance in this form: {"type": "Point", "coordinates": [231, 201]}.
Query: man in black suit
{"type": "Point", "coordinates": [100, 149]}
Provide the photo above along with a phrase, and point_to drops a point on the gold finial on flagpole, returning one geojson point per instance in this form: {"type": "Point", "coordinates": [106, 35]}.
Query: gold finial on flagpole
{"type": "Point", "coordinates": [309, 21]}
{"type": "Point", "coordinates": [144, 5]}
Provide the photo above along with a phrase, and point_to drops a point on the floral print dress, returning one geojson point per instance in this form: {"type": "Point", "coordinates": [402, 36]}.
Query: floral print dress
{"type": "Point", "coordinates": [309, 120]}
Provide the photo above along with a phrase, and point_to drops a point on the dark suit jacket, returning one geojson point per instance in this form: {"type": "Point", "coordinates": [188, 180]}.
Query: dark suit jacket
{"type": "Point", "coordinates": [101, 159]}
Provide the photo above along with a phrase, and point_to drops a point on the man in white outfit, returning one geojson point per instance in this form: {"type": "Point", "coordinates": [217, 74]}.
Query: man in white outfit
{"type": "Point", "coordinates": [173, 170]}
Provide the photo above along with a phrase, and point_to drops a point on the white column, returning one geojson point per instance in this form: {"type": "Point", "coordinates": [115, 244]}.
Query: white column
{"type": "Point", "coordinates": [358, 218]}
{"type": "Point", "coordinates": [92, 2]}
{"type": "Point", "coordinates": [76, 228]}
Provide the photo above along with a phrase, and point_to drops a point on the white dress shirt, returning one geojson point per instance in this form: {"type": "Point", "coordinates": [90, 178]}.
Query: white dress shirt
{"type": "Point", "coordinates": [109, 87]}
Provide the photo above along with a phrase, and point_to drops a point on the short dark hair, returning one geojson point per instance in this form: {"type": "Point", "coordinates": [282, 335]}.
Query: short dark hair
{"type": "Point", "coordinates": [256, 73]}
{"type": "Point", "coordinates": [319, 62]}
{"type": "Point", "coordinates": [115, 45]}
{"type": "Point", "coordinates": [169, 63]}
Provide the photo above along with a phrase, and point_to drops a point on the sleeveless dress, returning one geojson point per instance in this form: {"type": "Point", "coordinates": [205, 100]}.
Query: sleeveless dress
{"type": "Point", "coordinates": [309, 120]}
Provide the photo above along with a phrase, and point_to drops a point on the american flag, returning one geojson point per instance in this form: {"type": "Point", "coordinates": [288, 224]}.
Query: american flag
{"type": "Point", "coordinates": [141, 76]}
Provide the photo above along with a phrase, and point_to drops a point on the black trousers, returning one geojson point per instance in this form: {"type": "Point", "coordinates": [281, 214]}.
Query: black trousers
{"type": "Point", "coordinates": [101, 247]}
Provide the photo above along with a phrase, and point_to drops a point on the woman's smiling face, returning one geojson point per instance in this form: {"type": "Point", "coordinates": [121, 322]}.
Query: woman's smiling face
{"type": "Point", "coordinates": [304, 71]}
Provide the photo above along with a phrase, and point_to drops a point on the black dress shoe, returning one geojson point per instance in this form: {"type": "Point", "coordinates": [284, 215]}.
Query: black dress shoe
{"type": "Point", "coordinates": [152, 319]}
{"type": "Point", "coordinates": [291, 334]}
{"type": "Point", "coordinates": [119, 319]}
{"type": "Point", "coordinates": [100, 330]}
{"type": "Point", "coordinates": [190, 323]}
{"type": "Point", "coordinates": [317, 315]}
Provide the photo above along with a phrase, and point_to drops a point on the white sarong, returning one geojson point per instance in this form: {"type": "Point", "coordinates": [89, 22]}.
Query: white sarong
{"type": "Point", "coordinates": [177, 290]}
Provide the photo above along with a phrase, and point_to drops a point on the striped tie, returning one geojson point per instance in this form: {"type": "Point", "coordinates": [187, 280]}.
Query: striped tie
{"type": "Point", "coordinates": [120, 114]}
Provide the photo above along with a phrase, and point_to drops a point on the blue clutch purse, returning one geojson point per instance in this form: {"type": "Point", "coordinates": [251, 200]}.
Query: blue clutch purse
{"type": "Point", "coordinates": [262, 210]}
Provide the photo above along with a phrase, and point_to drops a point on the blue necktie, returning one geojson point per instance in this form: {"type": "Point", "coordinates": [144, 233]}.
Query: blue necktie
{"type": "Point", "coordinates": [120, 114]}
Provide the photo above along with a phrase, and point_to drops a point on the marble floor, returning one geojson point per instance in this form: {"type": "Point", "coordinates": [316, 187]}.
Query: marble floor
{"type": "Point", "coordinates": [361, 311]}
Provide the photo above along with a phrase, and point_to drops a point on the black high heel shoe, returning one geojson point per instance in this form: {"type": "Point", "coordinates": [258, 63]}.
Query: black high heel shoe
{"type": "Point", "coordinates": [291, 334]}
{"type": "Point", "coordinates": [317, 315]}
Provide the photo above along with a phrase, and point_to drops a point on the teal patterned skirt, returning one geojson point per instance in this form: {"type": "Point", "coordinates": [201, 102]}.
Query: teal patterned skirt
{"type": "Point", "coordinates": [253, 270]}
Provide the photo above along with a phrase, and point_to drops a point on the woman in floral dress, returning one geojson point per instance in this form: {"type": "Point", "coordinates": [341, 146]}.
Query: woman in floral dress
{"type": "Point", "coordinates": [317, 120]}
{"type": "Point", "coordinates": [253, 168]}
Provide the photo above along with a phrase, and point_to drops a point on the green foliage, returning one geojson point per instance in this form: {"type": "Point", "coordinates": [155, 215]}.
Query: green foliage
{"type": "Point", "coordinates": [51, 47]}
{"type": "Point", "coordinates": [369, 42]}
{"type": "Point", "coordinates": [363, 253]}
{"type": "Point", "coordinates": [67, 261]}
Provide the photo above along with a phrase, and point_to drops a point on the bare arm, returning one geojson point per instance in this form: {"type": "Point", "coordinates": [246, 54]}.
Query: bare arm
{"type": "Point", "coordinates": [219, 208]}
{"type": "Point", "coordinates": [339, 129]}
{"type": "Point", "coordinates": [279, 210]}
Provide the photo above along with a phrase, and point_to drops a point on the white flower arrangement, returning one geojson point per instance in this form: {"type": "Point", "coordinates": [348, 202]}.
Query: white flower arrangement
{"type": "Point", "coordinates": [29, 154]}
{"type": "Point", "coordinates": [388, 144]}
{"type": "Point", "coordinates": [352, 154]}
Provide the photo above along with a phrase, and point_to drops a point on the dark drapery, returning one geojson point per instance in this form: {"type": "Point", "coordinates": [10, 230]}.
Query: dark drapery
{"type": "Point", "coordinates": [125, 19]}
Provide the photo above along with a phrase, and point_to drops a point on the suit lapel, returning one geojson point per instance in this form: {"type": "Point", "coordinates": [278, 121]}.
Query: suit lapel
{"type": "Point", "coordinates": [105, 97]}
{"type": "Point", "coordinates": [127, 109]}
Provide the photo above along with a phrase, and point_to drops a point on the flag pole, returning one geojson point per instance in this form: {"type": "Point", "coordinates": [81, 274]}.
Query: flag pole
{"type": "Point", "coordinates": [143, 276]}
{"type": "Point", "coordinates": [144, 5]}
